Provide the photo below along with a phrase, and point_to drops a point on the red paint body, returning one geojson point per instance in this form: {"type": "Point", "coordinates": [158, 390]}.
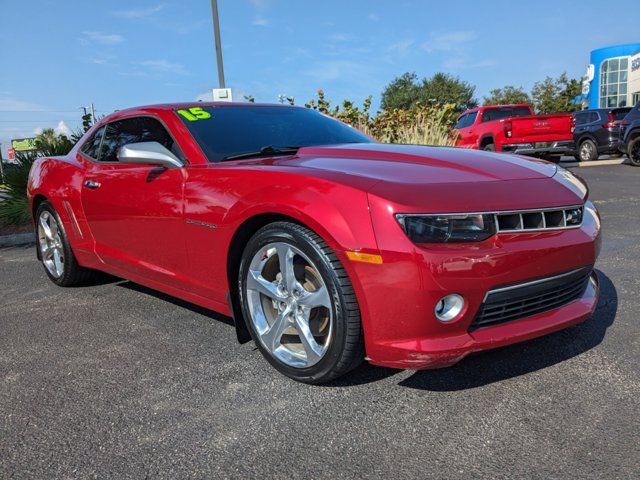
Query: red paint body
{"type": "Point", "coordinates": [145, 224]}
{"type": "Point", "coordinates": [516, 133]}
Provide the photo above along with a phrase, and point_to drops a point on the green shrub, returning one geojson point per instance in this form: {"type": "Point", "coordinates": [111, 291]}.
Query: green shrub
{"type": "Point", "coordinates": [14, 204]}
{"type": "Point", "coordinates": [420, 124]}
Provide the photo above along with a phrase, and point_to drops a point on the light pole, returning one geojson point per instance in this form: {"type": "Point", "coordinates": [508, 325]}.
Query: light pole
{"type": "Point", "coordinates": [1, 165]}
{"type": "Point", "coordinates": [216, 36]}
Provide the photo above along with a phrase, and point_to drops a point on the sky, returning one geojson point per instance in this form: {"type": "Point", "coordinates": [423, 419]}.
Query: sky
{"type": "Point", "coordinates": [56, 57]}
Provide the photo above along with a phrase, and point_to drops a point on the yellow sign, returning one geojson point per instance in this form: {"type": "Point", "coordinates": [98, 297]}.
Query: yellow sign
{"type": "Point", "coordinates": [23, 144]}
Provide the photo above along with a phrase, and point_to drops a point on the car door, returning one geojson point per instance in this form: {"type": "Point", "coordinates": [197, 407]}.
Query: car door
{"type": "Point", "coordinates": [581, 125]}
{"type": "Point", "coordinates": [135, 211]}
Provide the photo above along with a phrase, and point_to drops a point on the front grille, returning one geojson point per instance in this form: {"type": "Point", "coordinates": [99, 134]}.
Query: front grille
{"type": "Point", "coordinates": [531, 298]}
{"type": "Point", "coordinates": [544, 219]}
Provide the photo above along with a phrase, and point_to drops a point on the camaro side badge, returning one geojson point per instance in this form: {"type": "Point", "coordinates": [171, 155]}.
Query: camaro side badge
{"type": "Point", "coordinates": [202, 224]}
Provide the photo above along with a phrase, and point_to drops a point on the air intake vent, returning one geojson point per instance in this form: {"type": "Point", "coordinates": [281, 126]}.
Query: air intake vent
{"type": "Point", "coordinates": [545, 219]}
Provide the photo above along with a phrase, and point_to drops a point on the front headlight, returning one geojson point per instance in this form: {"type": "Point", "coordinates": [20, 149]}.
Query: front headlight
{"type": "Point", "coordinates": [474, 227]}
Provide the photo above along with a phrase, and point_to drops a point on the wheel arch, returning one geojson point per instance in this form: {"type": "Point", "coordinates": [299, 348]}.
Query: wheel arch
{"type": "Point", "coordinates": [254, 222]}
{"type": "Point", "coordinates": [241, 236]}
{"type": "Point", "coordinates": [586, 136]}
{"type": "Point", "coordinates": [486, 140]}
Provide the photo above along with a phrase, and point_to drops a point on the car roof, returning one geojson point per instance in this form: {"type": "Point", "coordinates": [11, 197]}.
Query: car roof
{"type": "Point", "coordinates": [182, 105]}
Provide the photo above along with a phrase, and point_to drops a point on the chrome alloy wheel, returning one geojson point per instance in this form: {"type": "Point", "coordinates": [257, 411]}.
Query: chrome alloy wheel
{"type": "Point", "coordinates": [586, 151]}
{"type": "Point", "coordinates": [50, 243]}
{"type": "Point", "coordinates": [289, 305]}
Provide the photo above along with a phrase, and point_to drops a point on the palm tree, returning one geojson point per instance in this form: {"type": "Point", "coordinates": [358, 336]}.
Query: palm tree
{"type": "Point", "coordinates": [14, 204]}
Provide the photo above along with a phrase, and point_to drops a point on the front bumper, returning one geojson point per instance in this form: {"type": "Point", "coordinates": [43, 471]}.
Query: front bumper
{"type": "Point", "coordinates": [429, 353]}
{"type": "Point", "coordinates": [540, 148]}
{"type": "Point", "coordinates": [398, 297]}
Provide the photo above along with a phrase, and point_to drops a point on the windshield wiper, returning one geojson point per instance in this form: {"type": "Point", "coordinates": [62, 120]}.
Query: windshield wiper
{"type": "Point", "coordinates": [264, 151]}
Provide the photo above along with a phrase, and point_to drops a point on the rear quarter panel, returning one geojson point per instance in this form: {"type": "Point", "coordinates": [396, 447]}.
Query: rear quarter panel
{"type": "Point", "coordinates": [59, 180]}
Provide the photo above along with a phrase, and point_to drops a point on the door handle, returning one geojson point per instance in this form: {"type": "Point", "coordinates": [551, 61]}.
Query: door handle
{"type": "Point", "coordinates": [91, 184]}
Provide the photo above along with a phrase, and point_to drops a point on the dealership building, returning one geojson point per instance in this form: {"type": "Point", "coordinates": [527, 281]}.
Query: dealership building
{"type": "Point", "coordinates": [612, 78]}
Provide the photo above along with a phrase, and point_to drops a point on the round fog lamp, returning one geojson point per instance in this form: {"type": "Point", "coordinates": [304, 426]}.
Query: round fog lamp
{"type": "Point", "coordinates": [449, 307]}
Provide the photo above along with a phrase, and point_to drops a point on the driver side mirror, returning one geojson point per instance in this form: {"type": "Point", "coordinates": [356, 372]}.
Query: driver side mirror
{"type": "Point", "coordinates": [148, 153]}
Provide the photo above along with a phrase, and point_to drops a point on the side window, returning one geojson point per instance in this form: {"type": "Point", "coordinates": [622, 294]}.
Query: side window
{"type": "Point", "coordinates": [461, 122]}
{"type": "Point", "coordinates": [91, 146]}
{"type": "Point", "coordinates": [134, 130]}
{"type": "Point", "coordinates": [581, 118]}
{"type": "Point", "coordinates": [471, 119]}
{"type": "Point", "coordinates": [594, 117]}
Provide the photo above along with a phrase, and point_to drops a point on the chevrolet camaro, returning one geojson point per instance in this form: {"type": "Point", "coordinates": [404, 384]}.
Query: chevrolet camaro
{"type": "Point", "coordinates": [325, 247]}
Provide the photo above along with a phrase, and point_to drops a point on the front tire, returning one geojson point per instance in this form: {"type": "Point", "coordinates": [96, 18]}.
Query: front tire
{"type": "Point", "coordinates": [299, 304]}
{"type": "Point", "coordinates": [54, 250]}
{"type": "Point", "coordinates": [634, 152]}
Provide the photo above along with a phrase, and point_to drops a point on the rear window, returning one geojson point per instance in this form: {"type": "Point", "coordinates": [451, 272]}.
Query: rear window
{"type": "Point", "coordinates": [228, 131]}
{"type": "Point", "coordinates": [500, 113]}
{"type": "Point", "coordinates": [620, 113]}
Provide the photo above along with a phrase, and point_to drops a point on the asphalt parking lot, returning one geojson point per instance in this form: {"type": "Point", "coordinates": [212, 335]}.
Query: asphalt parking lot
{"type": "Point", "coordinates": [116, 381]}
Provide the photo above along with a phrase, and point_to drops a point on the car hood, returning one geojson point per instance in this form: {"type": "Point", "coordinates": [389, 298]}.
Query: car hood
{"type": "Point", "coordinates": [425, 165]}
{"type": "Point", "coordinates": [443, 179]}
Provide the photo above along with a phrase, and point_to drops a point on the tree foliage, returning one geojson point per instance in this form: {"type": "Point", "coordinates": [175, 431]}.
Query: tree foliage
{"type": "Point", "coordinates": [14, 204]}
{"type": "Point", "coordinates": [405, 91]}
{"type": "Point", "coordinates": [507, 95]}
{"type": "Point", "coordinates": [555, 95]}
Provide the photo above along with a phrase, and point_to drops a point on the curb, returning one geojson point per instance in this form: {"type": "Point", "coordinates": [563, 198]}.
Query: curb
{"type": "Point", "coordinates": [596, 163]}
{"type": "Point", "coordinates": [17, 239]}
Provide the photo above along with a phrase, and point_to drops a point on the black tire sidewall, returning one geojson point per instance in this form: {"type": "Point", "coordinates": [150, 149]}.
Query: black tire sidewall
{"type": "Point", "coordinates": [281, 233]}
{"type": "Point", "coordinates": [594, 154]}
{"type": "Point", "coordinates": [489, 148]}
{"type": "Point", "coordinates": [635, 162]}
{"type": "Point", "coordinates": [69, 260]}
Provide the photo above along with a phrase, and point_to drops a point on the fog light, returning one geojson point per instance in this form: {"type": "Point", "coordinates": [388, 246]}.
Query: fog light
{"type": "Point", "coordinates": [449, 307]}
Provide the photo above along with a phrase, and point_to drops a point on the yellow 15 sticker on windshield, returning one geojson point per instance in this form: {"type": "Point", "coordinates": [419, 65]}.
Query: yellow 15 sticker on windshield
{"type": "Point", "coordinates": [194, 113]}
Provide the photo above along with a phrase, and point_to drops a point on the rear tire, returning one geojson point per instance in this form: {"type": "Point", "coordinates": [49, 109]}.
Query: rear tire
{"type": "Point", "coordinates": [587, 151]}
{"type": "Point", "coordinates": [490, 147]}
{"type": "Point", "coordinates": [305, 321]}
{"type": "Point", "coordinates": [634, 152]}
{"type": "Point", "coordinates": [54, 249]}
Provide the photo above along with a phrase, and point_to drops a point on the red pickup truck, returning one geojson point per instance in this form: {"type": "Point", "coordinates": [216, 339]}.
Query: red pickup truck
{"type": "Point", "coordinates": [515, 129]}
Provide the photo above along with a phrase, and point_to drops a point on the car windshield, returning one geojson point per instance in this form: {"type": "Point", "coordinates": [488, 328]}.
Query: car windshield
{"type": "Point", "coordinates": [224, 132]}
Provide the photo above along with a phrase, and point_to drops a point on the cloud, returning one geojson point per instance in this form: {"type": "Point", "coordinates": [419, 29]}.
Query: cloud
{"type": "Point", "coordinates": [400, 48]}
{"type": "Point", "coordinates": [259, 3]}
{"type": "Point", "coordinates": [165, 66]}
{"type": "Point", "coordinates": [62, 129]}
{"type": "Point", "coordinates": [135, 14]}
{"type": "Point", "coordinates": [101, 38]}
{"type": "Point", "coordinates": [14, 105]}
{"type": "Point", "coordinates": [448, 41]}
{"type": "Point", "coordinates": [261, 22]}
{"type": "Point", "coordinates": [464, 63]}
{"type": "Point", "coordinates": [373, 17]}
{"type": "Point", "coordinates": [329, 70]}
{"type": "Point", "coordinates": [341, 37]}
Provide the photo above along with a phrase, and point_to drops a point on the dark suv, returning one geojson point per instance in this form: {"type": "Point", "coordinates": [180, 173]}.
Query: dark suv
{"type": "Point", "coordinates": [630, 135]}
{"type": "Point", "coordinates": [597, 132]}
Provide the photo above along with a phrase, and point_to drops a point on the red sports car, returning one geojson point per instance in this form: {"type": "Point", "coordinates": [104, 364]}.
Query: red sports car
{"type": "Point", "coordinates": [325, 247]}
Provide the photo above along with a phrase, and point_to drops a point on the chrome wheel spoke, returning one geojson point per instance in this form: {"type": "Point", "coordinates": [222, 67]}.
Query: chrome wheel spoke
{"type": "Point", "coordinates": [283, 311]}
{"type": "Point", "coordinates": [44, 224]}
{"type": "Point", "coordinates": [57, 260]}
{"type": "Point", "coordinates": [47, 252]}
{"type": "Point", "coordinates": [285, 259]}
{"type": "Point", "coordinates": [311, 348]}
{"type": "Point", "coordinates": [273, 336]}
{"type": "Point", "coordinates": [257, 283]}
{"type": "Point", "coordinates": [318, 298]}
{"type": "Point", "coordinates": [51, 246]}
